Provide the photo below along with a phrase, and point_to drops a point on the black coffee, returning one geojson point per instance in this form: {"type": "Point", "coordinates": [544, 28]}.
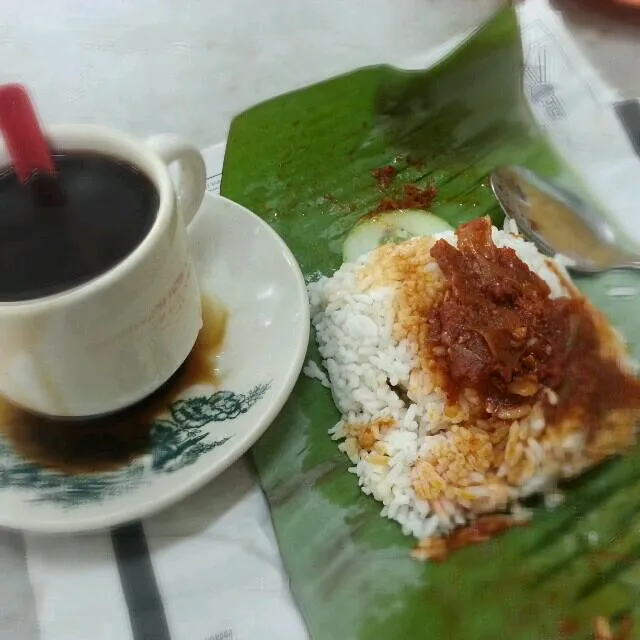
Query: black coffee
{"type": "Point", "coordinates": [48, 244]}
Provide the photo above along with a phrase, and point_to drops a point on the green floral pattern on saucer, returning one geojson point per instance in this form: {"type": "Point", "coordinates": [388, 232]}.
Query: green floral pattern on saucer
{"type": "Point", "coordinates": [177, 441]}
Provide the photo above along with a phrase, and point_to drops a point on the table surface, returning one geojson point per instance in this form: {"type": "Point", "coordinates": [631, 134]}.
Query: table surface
{"type": "Point", "coordinates": [166, 65]}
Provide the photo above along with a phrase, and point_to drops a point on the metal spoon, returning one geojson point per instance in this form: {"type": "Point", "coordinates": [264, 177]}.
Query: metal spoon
{"type": "Point", "coordinates": [559, 221]}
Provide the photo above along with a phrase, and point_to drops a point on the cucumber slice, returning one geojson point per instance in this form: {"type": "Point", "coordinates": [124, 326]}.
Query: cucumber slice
{"type": "Point", "coordinates": [387, 227]}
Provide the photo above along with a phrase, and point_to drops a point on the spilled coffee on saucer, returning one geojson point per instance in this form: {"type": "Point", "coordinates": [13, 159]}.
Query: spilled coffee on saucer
{"type": "Point", "coordinates": [49, 245]}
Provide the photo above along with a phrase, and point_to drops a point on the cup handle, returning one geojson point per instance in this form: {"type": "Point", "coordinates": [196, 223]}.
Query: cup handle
{"type": "Point", "coordinates": [192, 182]}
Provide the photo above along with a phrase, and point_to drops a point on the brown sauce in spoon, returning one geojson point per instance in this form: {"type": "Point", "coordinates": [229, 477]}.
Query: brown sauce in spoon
{"type": "Point", "coordinates": [557, 225]}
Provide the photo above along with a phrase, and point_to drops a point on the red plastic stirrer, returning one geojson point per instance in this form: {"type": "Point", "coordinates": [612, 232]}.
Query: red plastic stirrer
{"type": "Point", "coordinates": [21, 131]}
{"type": "Point", "coordinates": [27, 146]}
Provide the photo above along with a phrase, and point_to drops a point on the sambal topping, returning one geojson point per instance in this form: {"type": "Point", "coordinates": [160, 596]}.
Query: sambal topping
{"type": "Point", "coordinates": [384, 176]}
{"type": "Point", "coordinates": [568, 627]}
{"type": "Point", "coordinates": [413, 197]}
{"type": "Point", "coordinates": [480, 530]}
{"type": "Point", "coordinates": [602, 629]}
{"type": "Point", "coordinates": [502, 335]}
{"type": "Point", "coordinates": [368, 435]}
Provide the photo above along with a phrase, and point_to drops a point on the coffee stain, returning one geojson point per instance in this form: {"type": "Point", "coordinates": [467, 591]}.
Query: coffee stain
{"type": "Point", "coordinates": [107, 442]}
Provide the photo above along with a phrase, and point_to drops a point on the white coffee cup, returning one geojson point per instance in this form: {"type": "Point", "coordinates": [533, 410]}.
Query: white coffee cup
{"type": "Point", "coordinates": [112, 341]}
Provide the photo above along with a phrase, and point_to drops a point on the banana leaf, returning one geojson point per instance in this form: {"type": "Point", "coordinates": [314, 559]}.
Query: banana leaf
{"type": "Point", "coordinates": [303, 162]}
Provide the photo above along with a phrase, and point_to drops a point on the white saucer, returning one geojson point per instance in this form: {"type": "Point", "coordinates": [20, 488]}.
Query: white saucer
{"type": "Point", "coordinates": [246, 265]}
